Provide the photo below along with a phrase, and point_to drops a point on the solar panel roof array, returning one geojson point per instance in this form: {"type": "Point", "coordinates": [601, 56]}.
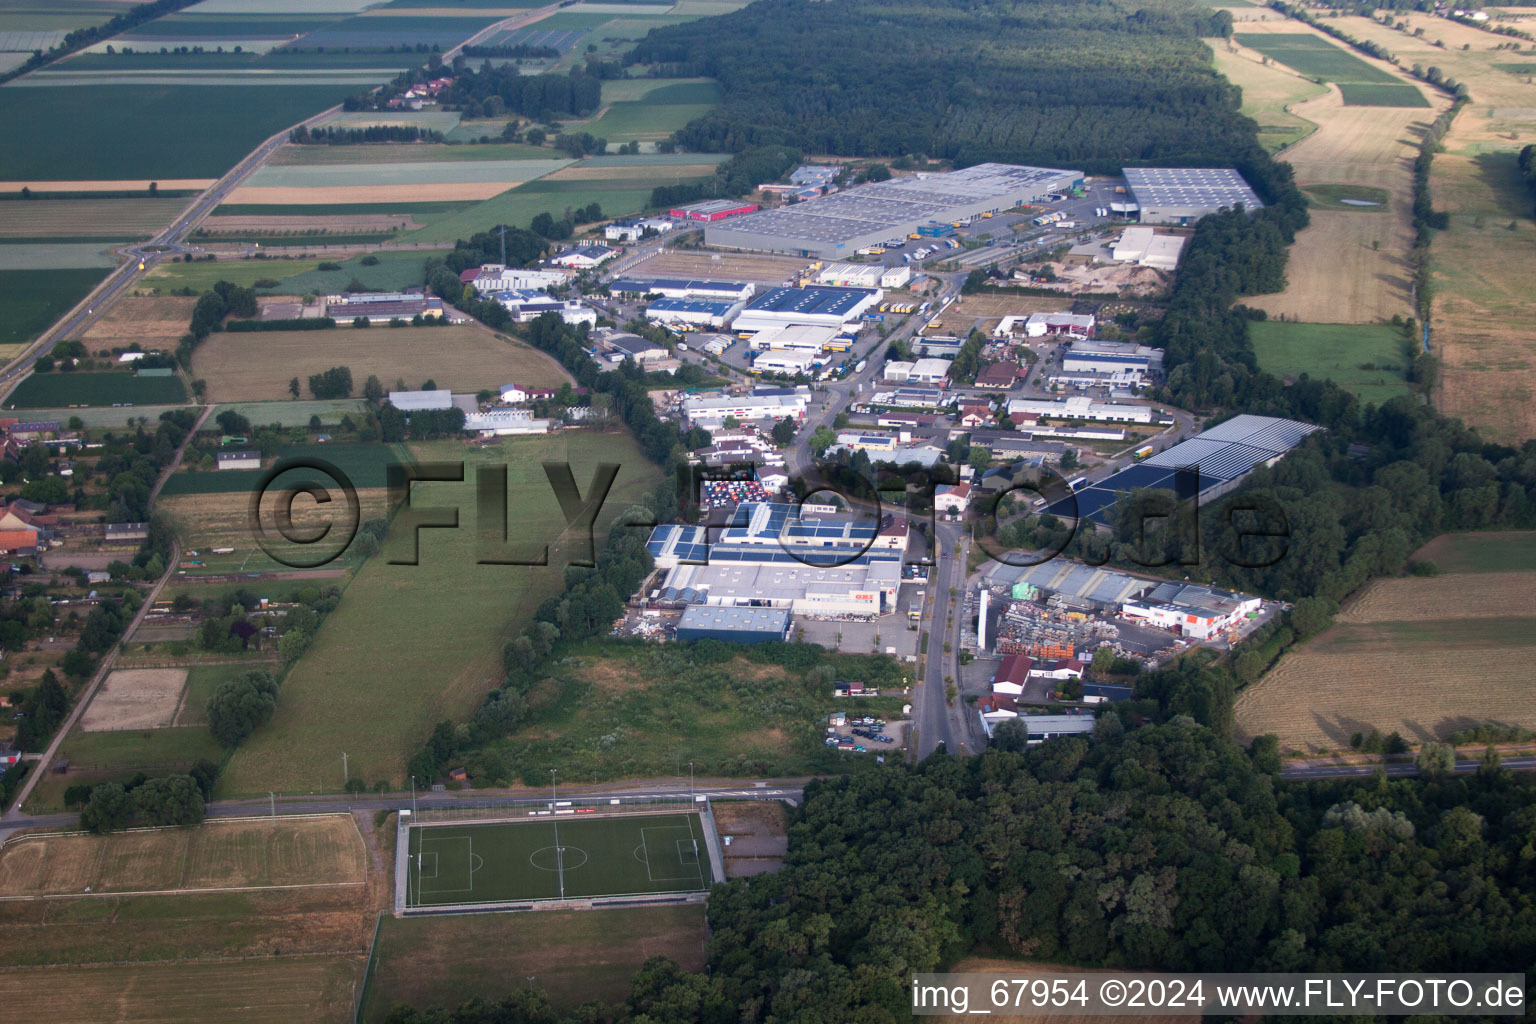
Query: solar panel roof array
{"type": "Point", "coordinates": [886, 205]}
{"type": "Point", "coordinates": [1197, 187]}
{"type": "Point", "coordinates": [1226, 452]}
{"type": "Point", "coordinates": [809, 301]}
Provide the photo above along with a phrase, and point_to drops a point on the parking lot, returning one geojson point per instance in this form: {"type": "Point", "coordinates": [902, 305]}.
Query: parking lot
{"type": "Point", "coordinates": [860, 636]}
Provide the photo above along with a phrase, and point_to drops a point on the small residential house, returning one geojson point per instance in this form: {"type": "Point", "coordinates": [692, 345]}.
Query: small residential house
{"type": "Point", "coordinates": [975, 415]}
{"type": "Point", "coordinates": [511, 394]}
{"type": "Point", "coordinates": [951, 499]}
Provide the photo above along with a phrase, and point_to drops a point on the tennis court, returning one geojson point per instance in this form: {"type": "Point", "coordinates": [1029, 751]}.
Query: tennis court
{"type": "Point", "coordinates": [556, 857]}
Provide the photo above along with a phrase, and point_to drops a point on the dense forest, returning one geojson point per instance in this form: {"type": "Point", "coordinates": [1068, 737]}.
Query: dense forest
{"type": "Point", "coordinates": [1161, 846]}
{"type": "Point", "coordinates": [1091, 85]}
{"type": "Point", "coordinates": [493, 90]}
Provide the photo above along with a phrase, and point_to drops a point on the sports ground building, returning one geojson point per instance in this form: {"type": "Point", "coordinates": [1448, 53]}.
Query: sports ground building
{"type": "Point", "coordinates": [838, 225]}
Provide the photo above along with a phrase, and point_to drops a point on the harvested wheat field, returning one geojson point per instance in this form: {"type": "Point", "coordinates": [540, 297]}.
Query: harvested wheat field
{"type": "Point", "coordinates": [649, 173]}
{"type": "Point", "coordinates": [335, 195]}
{"type": "Point", "coordinates": [1346, 266]}
{"type": "Point", "coordinates": [120, 185]}
{"type": "Point", "coordinates": [248, 853]}
{"type": "Point", "coordinates": [1424, 657]}
{"type": "Point", "coordinates": [137, 698]}
{"type": "Point", "coordinates": [340, 223]}
{"type": "Point", "coordinates": [149, 322]}
{"type": "Point", "coordinates": [720, 267]}
{"type": "Point", "coordinates": [466, 357]}
{"type": "Point", "coordinates": [139, 218]}
{"type": "Point", "coordinates": [1483, 302]}
{"type": "Point", "coordinates": [1269, 90]}
{"type": "Point", "coordinates": [280, 989]}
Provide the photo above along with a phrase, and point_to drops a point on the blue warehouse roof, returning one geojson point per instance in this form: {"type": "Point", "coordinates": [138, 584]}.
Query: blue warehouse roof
{"type": "Point", "coordinates": [826, 301]}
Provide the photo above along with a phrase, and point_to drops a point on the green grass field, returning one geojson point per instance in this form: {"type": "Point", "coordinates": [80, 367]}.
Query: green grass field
{"type": "Point", "coordinates": [145, 131]}
{"type": "Point", "coordinates": [1366, 198]}
{"type": "Point", "coordinates": [296, 414]}
{"type": "Point", "coordinates": [1380, 95]}
{"type": "Point", "coordinates": [1336, 352]}
{"type": "Point", "coordinates": [565, 857]}
{"type": "Point", "coordinates": [146, 749]}
{"type": "Point", "coordinates": [204, 680]}
{"type": "Point", "coordinates": [1312, 56]}
{"type": "Point", "coordinates": [363, 463]}
{"type": "Point", "coordinates": [43, 390]}
{"type": "Point", "coordinates": [31, 300]}
{"type": "Point", "coordinates": [1504, 551]}
{"type": "Point", "coordinates": [375, 680]}
{"type": "Point", "coordinates": [575, 957]}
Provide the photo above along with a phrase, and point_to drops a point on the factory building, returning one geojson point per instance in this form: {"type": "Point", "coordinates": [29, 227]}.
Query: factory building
{"type": "Point", "coordinates": [733, 625]}
{"type": "Point", "coordinates": [496, 277]}
{"type": "Point", "coordinates": [693, 313]}
{"type": "Point", "coordinates": [1108, 363]}
{"type": "Point", "coordinates": [679, 288]}
{"type": "Point", "coordinates": [838, 225]}
{"type": "Point", "coordinates": [712, 210]}
{"type": "Point", "coordinates": [795, 338]}
{"type": "Point", "coordinates": [1182, 195]}
{"type": "Point", "coordinates": [1213, 462]}
{"type": "Point", "coordinates": [782, 361]}
{"type": "Point", "coordinates": [768, 556]}
{"type": "Point", "coordinates": [1057, 325]}
{"type": "Point", "coordinates": [816, 307]}
{"type": "Point", "coordinates": [929, 371]}
{"type": "Point", "coordinates": [1143, 246]}
{"type": "Point", "coordinates": [1079, 408]}
{"type": "Point", "coordinates": [712, 412]}
{"type": "Point", "coordinates": [909, 398]}
{"type": "Point", "coordinates": [1194, 611]}
{"type": "Point", "coordinates": [864, 275]}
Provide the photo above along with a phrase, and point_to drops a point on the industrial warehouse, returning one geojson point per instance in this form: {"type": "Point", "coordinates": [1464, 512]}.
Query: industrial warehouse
{"type": "Point", "coordinates": [1182, 195]}
{"type": "Point", "coordinates": [836, 226]}
{"type": "Point", "coordinates": [772, 555]}
{"type": "Point", "coordinates": [812, 307]}
{"type": "Point", "coordinates": [1216, 460]}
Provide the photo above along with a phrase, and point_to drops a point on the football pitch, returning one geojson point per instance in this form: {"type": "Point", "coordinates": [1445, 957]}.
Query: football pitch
{"type": "Point", "coordinates": [555, 858]}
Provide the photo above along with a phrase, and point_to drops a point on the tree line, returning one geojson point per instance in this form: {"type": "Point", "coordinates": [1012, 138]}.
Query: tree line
{"type": "Point", "coordinates": [78, 39]}
{"type": "Point", "coordinates": [331, 135]}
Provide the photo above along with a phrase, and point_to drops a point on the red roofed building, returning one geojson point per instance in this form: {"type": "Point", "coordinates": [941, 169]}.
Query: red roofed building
{"type": "Point", "coordinates": [1012, 674]}
{"type": "Point", "coordinates": [18, 541]}
{"type": "Point", "coordinates": [1021, 419]}
{"type": "Point", "coordinates": [975, 415]}
{"type": "Point", "coordinates": [952, 498]}
{"type": "Point", "coordinates": [996, 708]}
{"type": "Point", "coordinates": [467, 276]}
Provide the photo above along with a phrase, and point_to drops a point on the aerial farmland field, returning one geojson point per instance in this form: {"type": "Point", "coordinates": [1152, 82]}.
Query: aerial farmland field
{"type": "Point", "coordinates": [31, 300]}
{"type": "Point", "coordinates": [465, 358]}
{"type": "Point", "coordinates": [144, 132]}
{"type": "Point", "coordinates": [1315, 56]}
{"type": "Point", "coordinates": [95, 218]}
{"type": "Point", "coordinates": [1428, 635]}
{"type": "Point", "coordinates": [43, 390]}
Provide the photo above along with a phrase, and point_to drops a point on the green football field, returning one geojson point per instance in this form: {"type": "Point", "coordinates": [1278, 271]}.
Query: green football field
{"type": "Point", "coordinates": [552, 858]}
